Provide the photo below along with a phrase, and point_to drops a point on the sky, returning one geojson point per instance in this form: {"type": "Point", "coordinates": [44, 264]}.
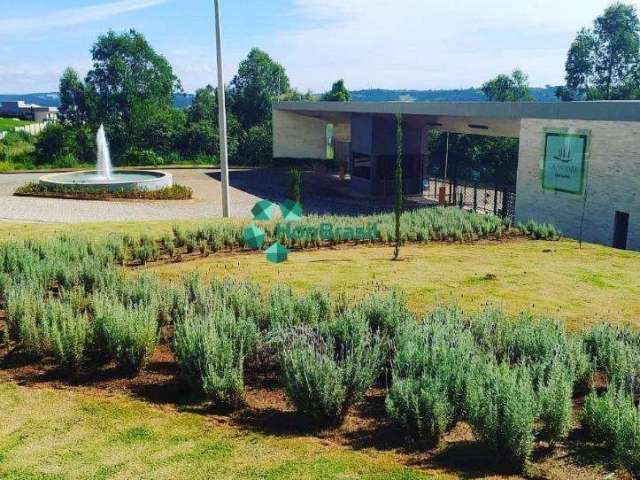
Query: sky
{"type": "Point", "coordinates": [399, 44]}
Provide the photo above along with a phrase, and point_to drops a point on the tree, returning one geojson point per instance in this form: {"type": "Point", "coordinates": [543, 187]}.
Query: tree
{"type": "Point", "coordinates": [132, 85]}
{"type": "Point", "coordinates": [204, 106]}
{"type": "Point", "coordinates": [603, 63]}
{"type": "Point", "coordinates": [508, 88]}
{"type": "Point", "coordinates": [338, 93]}
{"type": "Point", "coordinates": [397, 207]}
{"type": "Point", "coordinates": [259, 80]}
{"type": "Point", "coordinates": [74, 101]}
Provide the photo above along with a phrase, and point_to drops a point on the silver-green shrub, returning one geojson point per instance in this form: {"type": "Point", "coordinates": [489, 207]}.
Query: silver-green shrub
{"type": "Point", "coordinates": [127, 334]}
{"type": "Point", "coordinates": [211, 348]}
{"type": "Point", "coordinates": [429, 374]}
{"type": "Point", "coordinates": [555, 397]}
{"type": "Point", "coordinates": [616, 352]}
{"type": "Point", "coordinates": [326, 369]}
{"type": "Point", "coordinates": [69, 334]}
{"type": "Point", "coordinates": [502, 409]}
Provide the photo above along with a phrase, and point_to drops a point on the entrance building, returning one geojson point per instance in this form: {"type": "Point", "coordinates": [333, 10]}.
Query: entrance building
{"type": "Point", "coordinates": [578, 165]}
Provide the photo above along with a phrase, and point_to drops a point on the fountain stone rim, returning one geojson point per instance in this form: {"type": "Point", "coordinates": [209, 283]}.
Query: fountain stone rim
{"type": "Point", "coordinates": [158, 180]}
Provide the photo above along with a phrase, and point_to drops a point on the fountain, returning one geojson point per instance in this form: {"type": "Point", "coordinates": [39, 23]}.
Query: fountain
{"type": "Point", "coordinates": [104, 177]}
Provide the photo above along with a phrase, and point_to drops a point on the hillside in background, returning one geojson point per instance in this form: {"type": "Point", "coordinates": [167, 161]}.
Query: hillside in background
{"type": "Point", "coordinates": [541, 94]}
{"type": "Point", "coordinates": [52, 99]}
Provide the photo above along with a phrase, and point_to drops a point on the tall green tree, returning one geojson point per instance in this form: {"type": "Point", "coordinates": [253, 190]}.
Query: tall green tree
{"type": "Point", "coordinates": [201, 135]}
{"type": "Point", "coordinates": [75, 108]}
{"type": "Point", "coordinates": [338, 93]}
{"type": "Point", "coordinates": [398, 200]}
{"type": "Point", "coordinates": [603, 63]}
{"type": "Point", "coordinates": [259, 80]}
{"type": "Point", "coordinates": [508, 88]}
{"type": "Point", "coordinates": [133, 87]}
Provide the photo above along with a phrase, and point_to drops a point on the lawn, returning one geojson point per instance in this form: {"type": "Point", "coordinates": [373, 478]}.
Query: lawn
{"type": "Point", "coordinates": [581, 286]}
{"type": "Point", "coordinates": [104, 424]}
{"type": "Point", "coordinates": [56, 434]}
{"type": "Point", "coordinates": [10, 123]}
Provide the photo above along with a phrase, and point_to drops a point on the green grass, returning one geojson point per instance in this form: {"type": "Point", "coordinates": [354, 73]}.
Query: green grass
{"type": "Point", "coordinates": [7, 124]}
{"type": "Point", "coordinates": [98, 437]}
{"type": "Point", "coordinates": [580, 286]}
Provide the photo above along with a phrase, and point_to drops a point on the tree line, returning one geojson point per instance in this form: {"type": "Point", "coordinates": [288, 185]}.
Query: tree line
{"type": "Point", "coordinates": [130, 89]}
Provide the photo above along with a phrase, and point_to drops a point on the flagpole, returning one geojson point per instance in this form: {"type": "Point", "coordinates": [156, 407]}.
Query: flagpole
{"type": "Point", "coordinates": [222, 119]}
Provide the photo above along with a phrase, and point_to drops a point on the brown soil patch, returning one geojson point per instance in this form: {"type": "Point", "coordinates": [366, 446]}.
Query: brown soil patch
{"type": "Point", "coordinates": [268, 411]}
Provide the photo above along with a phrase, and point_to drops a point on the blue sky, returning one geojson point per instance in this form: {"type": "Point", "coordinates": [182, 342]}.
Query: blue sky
{"type": "Point", "coordinates": [371, 43]}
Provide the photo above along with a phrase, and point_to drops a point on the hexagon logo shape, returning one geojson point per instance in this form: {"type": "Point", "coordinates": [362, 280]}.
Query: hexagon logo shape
{"type": "Point", "coordinates": [291, 211]}
{"type": "Point", "coordinates": [277, 253]}
{"type": "Point", "coordinates": [253, 237]}
{"type": "Point", "coordinates": [262, 210]}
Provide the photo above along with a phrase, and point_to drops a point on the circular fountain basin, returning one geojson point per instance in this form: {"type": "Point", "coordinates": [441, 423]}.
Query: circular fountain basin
{"type": "Point", "coordinates": [120, 180]}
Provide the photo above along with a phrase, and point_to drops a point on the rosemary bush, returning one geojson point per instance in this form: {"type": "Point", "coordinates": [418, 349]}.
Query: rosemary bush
{"type": "Point", "coordinates": [502, 410]}
{"type": "Point", "coordinates": [616, 352]}
{"type": "Point", "coordinates": [127, 334]}
{"type": "Point", "coordinates": [211, 348]}
{"type": "Point", "coordinates": [429, 374]}
{"type": "Point", "coordinates": [327, 369]}
{"type": "Point", "coordinates": [69, 334]}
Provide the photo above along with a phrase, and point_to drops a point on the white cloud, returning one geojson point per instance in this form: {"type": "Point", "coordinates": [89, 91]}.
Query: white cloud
{"type": "Point", "coordinates": [428, 43]}
{"type": "Point", "coordinates": [73, 16]}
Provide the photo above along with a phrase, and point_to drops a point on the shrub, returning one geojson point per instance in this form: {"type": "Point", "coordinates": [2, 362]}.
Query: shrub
{"type": "Point", "coordinates": [54, 142]}
{"type": "Point", "coordinates": [555, 397]}
{"type": "Point", "coordinates": [284, 309]}
{"type": "Point", "coordinates": [27, 320]}
{"type": "Point", "coordinates": [128, 334]}
{"type": "Point", "coordinates": [386, 313]}
{"type": "Point", "coordinates": [601, 415]}
{"type": "Point", "coordinates": [69, 332]}
{"type": "Point", "coordinates": [430, 374]}
{"type": "Point", "coordinates": [540, 231]}
{"type": "Point", "coordinates": [327, 369]}
{"type": "Point", "coordinates": [211, 349]}
{"type": "Point", "coordinates": [135, 156]}
{"type": "Point", "coordinates": [502, 410]}
{"type": "Point", "coordinates": [627, 443]}
{"type": "Point", "coordinates": [613, 419]}
{"type": "Point", "coordinates": [616, 351]}
{"type": "Point", "coordinates": [422, 407]}
{"type": "Point", "coordinates": [539, 344]}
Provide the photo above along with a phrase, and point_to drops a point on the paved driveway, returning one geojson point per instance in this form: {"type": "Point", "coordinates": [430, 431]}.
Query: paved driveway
{"type": "Point", "coordinates": [206, 203]}
{"type": "Point", "coordinates": [247, 187]}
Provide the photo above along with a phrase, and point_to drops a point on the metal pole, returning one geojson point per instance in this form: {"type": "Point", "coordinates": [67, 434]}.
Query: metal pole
{"type": "Point", "coordinates": [222, 119]}
{"type": "Point", "coordinates": [446, 157]}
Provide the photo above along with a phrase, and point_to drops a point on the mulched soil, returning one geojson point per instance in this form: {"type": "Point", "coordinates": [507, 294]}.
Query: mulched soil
{"type": "Point", "coordinates": [268, 411]}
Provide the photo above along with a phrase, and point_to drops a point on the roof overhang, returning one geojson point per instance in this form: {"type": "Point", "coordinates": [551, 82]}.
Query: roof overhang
{"type": "Point", "coordinates": [482, 118]}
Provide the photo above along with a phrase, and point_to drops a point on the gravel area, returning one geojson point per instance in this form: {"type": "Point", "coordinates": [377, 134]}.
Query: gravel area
{"type": "Point", "coordinates": [206, 202]}
{"type": "Point", "coordinates": [247, 187]}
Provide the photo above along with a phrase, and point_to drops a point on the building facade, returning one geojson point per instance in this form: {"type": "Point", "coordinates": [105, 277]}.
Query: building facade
{"type": "Point", "coordinates": [28, 111]}
{"type": "Point", "coordinates": [578, 166]}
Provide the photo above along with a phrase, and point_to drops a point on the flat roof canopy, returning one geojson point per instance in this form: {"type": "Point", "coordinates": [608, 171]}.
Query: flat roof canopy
{"type": "Point", "coordinates": [479, 118]}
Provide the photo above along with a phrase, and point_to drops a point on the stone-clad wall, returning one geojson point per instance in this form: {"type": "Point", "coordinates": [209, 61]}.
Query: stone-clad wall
{"type": "Point", "coordinates": [613, 169]}
{"type": "Point", "coordinates": [298, 136]}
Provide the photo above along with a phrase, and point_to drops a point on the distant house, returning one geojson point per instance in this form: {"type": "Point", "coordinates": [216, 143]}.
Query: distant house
{"type": "Point", "coordinates": [28, 111]}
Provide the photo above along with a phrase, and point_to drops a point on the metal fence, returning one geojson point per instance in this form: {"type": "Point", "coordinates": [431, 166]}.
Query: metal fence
{"type": "Point", "coordinates": [483, 198]}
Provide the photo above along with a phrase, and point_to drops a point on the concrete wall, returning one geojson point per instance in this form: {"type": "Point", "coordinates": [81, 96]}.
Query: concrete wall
{"type": "Point", "coordinates": [613, 180]}
{"type": "Point", "coordinates": [298, 136]}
